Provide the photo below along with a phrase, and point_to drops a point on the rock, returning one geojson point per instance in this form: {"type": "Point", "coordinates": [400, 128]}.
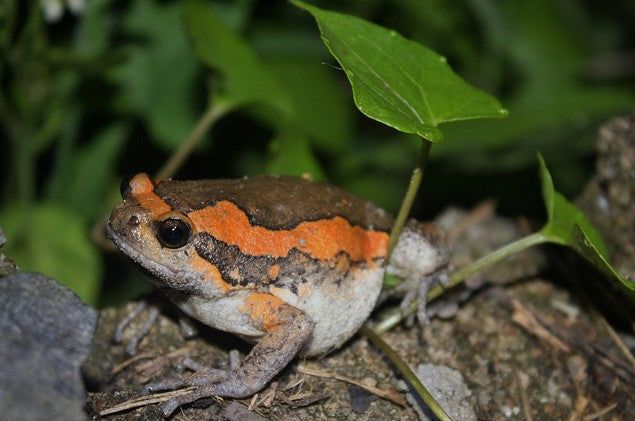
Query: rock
{"type": "Point", "coordinates": [47, 331]}
{"type": "Point", "coordinates": [448, 388]}
{"type": "Point", "coordinates": [608, 199]}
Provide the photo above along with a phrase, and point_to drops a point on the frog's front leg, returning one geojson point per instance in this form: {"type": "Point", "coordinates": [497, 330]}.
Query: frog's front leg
{"type": "Point", "coordinates": [286, 330]}
{"type": "Point", "coordinates": [421, 259]}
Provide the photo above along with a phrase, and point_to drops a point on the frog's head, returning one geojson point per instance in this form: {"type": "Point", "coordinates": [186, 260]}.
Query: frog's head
{"type": "Point", "coordinates": [160, 239]}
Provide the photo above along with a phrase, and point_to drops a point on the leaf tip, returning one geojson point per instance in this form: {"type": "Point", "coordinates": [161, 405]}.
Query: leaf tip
{"type": "Point", "coordinates": [541, 161]}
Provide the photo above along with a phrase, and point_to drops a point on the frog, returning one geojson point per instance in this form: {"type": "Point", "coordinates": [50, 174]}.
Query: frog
{"type": "Point", "coordinates": [293, 265]}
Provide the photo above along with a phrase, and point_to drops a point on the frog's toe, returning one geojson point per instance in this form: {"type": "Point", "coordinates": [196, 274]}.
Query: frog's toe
{"type": "Point", "coordinates": [205, 377]}
{"type": "Point", "coordinates": [166, 384]}
{"type": "Point", "coordinates": [418, 290]}
{"type": "Point", "coordinates": [409, 297]}
{"type": "Point", "coordinates": [168, 407]}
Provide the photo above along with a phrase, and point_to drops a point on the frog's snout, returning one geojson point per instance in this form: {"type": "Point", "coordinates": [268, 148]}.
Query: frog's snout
{"type": "Point", "coordinates": [125, 222]}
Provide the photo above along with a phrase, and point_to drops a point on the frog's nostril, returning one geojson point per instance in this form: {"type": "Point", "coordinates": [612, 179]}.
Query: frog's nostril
{"type": "Point", "coordinates": [134, 221]}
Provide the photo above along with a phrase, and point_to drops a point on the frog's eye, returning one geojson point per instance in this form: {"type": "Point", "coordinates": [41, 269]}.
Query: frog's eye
{"type": "Point", "coordinates": [174, 232]}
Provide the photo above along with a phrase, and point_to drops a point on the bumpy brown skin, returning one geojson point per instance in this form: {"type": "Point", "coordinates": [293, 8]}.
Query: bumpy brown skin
{"type": "Point", "coordinates": [291, 264]}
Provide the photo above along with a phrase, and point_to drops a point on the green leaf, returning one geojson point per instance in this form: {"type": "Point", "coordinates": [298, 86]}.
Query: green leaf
{"type": "Point", "coordinates": [290, 154]}
{"type": "Point", "coordinates": [83, 183]}
{"type": "Point", "coordinates": [244, 78]}
{"type": "Point", "coordinates": [54, 240]}
{"type": "Point", "coordinates": [158, 78]}
{"type": "Point", "coordinates": [397, 81]}
{"type": "Point", "coordinates": [567, 225]}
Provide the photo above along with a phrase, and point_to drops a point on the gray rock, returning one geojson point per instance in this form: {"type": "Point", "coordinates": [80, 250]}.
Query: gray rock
{"type": "Point", "coordinates": [448, 388]}
{"type": "Point", "coordinates": [47, 331]}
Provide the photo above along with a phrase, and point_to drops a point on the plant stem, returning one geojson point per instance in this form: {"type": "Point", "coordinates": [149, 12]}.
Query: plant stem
{"type": "Point", "coordinates": [207, 120]}
{"type": "Point", "coordinates": [407, 373]}
{"type": "Point", "coordinates": [459, 276]}
{"type": "Point", "coordinates": [494, 257]}
{"type": "Point", "coordinates": [411, 193]}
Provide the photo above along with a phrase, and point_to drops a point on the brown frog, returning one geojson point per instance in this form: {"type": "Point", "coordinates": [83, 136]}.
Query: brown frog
{"type": "Point", "coordinates": [291, 264]}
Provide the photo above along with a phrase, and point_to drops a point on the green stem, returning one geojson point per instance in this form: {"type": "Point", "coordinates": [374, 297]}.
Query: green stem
{"type": "Point", "coordinates": [207, 120]}
{"type": "Point", "coordinates": [494, 257]}
{"type": "Point", "coordinates": [459, 276]}
{"type": "Point", "coordinates": [411, 193]}
{"type": "Point", "coordinates": [407, 373]}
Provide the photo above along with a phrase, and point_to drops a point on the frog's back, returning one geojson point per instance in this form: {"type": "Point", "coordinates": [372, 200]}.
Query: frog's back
{"type": "Point", "coordinates": [276, 202]}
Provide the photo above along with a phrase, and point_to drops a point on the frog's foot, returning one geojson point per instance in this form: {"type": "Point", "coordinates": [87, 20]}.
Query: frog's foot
{"type": "Point", "coordinates": [200, 378]}
{"type": "Point", "coordinates": [419, 290]}
{"type": "Point", "coordinates": [420, 257]}
{"type": "Point", "coordinates": [187, 363]}
{"type": "Point", "coordinates": [226, 383]}
{"type": "Point", "coordinates": [132, 344]}
{"type": "Point", "coordinates": [151, 310]}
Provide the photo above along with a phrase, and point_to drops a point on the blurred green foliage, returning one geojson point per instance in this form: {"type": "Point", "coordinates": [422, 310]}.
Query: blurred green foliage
{"type": "Point", "coordinates": [115, 89]}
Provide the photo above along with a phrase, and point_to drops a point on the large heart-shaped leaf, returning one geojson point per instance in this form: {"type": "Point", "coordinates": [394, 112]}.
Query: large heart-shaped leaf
{"type": "Point", "coordinates": [397, 81]}
{"type": "Point", "coordinates": [568, 226]}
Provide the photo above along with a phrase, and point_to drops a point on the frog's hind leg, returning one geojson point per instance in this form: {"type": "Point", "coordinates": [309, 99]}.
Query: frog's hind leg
{"type": "Point", "coordinates": [286, 329]}
{"type": "Point", "coordinates": [420, 258]}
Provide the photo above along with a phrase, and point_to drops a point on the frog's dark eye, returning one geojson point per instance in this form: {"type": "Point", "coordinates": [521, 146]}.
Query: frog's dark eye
{"type": "Point", "coordinates": [174, 232]}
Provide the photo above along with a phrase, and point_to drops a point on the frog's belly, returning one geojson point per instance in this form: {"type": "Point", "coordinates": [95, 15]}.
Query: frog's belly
{"type": "Point", "coordinates": [337, 307]}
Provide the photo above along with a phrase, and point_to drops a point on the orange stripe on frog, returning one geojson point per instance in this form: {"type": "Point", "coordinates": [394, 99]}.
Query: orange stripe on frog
{"type": "Point", "coordinates": [322, 239]}
{"type": "Point", "coordinates": [209, 271]}
{"type": "Point", "coordinates": [142, 190]}
{"type": "Point", "coordinates": [263, 309]}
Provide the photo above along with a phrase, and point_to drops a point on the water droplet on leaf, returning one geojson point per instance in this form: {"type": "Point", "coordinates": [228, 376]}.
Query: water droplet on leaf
{"type": "Point", "coordinates": [443, 59]}
{"type": "Point", "coordinates": [503, 112]}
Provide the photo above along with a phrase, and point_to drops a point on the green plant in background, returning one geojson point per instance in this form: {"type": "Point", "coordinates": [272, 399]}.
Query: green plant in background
{"type": "Point", "coordinates": [118, 89]}
{"type": "Point", "coordinates": [126, 86]}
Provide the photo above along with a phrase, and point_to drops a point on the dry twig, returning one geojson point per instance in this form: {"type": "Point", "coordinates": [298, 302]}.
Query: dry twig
{"type": "Point", "coordinates": [525, 318]}
{"type": "Point", "coordinates": [146, 400]}
{"type": "Point", "coordinates": [391, 395]}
